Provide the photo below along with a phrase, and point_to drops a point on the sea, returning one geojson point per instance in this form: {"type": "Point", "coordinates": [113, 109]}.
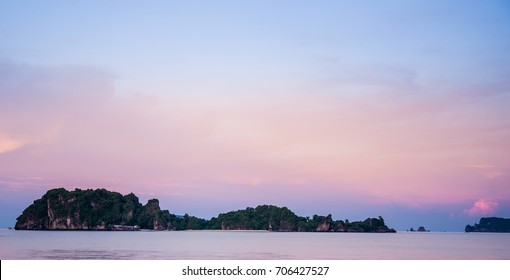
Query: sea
{"type": "Point", "coordinates": [251, 245]}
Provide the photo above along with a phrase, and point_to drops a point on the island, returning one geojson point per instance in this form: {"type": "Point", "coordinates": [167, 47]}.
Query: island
{"type": "Point", "coordinates": [100, 209]}
{"type": "Point", "coordinates": [420, 229]}
{"type": "Point", "coordinates": [490, 224]}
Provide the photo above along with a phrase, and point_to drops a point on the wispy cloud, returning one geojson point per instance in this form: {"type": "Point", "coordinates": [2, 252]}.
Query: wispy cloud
{"type": "Point", "coordinates": [489, 171]}
{"type": "Point", "coordinates": [481, 166]}
{"type": "Point", "coordinates": [10, 143]}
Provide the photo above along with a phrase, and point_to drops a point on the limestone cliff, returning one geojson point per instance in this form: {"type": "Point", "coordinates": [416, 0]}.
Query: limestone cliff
{"type": "Point", "coordinates": [153, 218]}
{"type": "Point", "coordinates": [99, 209]}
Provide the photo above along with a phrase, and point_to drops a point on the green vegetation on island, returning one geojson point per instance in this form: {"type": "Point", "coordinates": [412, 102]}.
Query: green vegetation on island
{"type": "Point", "coordinates": [100, 209]}
{"type": "Point", "coordinates": [273, 218]}
{"type": "Point", "coordinates": [491, 224]}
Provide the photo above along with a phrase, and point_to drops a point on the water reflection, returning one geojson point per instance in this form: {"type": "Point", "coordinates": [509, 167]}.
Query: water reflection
{"type": "Point", "coordinates": [54, 245]}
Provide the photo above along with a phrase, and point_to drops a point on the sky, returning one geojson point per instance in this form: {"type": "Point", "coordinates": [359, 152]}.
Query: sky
{"type": "Point", "coordinates": [360, 109]}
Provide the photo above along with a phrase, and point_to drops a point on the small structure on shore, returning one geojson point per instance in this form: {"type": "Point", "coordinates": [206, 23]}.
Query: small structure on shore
{"type": "Point", "coordinates": [125, 228]}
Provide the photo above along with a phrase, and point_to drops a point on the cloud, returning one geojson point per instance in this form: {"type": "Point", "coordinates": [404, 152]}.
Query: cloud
{"type": "Point", "coordinates": [482, 207]}
{"type": "Point", "coordinates": [9, 143]}
{"type": "Point", "coordinates": [490, 171]}
{"type": "Point", "coordinates": [480, 166]}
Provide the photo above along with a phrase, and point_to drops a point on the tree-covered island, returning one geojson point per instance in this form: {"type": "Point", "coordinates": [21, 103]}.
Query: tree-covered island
{"type": "Point", "coordinates": [491, 224]}
{"type": "Point", "coordinates": [101, 209]}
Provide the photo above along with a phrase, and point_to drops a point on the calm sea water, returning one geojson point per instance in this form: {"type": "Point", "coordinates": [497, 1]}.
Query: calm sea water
{"type": "Point", "coordinates": [238, 245]}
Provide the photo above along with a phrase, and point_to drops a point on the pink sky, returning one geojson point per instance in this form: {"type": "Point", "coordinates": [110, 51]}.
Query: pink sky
{"type": "Point", "coordinates": [382, 147]}
{"type": "Point", "coordinates": [396, 109]}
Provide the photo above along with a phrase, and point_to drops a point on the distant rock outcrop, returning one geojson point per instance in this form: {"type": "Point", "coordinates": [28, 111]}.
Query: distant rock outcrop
{"type": "Point", "coordinates": [491, 224]}
{"type": "Point", "coordinates": [422, 229]}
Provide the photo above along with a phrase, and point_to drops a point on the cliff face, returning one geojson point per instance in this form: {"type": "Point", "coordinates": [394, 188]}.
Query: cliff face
{"type": "Point", "coordinates": [151, 216]}
{"type": "Point", "coordinates": [99, 209]}
{"type": "Point", "coordinates": [491, 224]}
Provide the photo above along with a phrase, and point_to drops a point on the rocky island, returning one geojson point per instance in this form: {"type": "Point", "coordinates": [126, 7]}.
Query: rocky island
{"type": "Point", "coordinates": [420, 229]}
{"type": "Point", "coordinates": [491, 224]}
{"type": "Point", "coordinates": [101, 209]}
